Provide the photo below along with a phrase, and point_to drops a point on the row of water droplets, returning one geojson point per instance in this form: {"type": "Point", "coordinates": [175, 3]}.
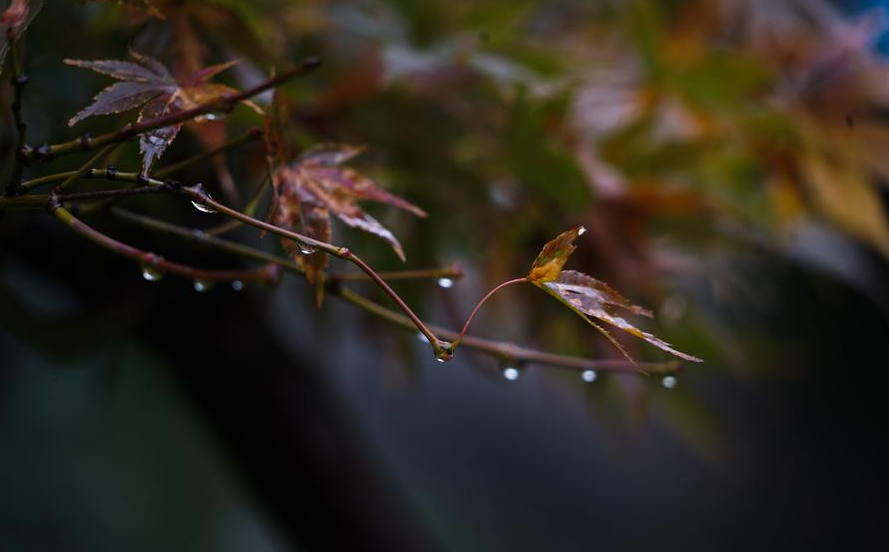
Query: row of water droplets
{"type": "Point", "coordinates": [512, 373]}
{"type": "Point", "coordinates": [152, 273]}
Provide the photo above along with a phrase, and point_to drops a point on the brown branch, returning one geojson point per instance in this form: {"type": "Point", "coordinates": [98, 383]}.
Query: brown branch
{"type": "Point", "coordinates": [506, 352]}
{"type": "Point", "coordinates": [224, 103]}
{"type": "Point", "coordinates": [151, 261]}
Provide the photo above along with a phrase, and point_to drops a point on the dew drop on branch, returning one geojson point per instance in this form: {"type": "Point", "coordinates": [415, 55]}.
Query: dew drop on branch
{"type": "Point", "coordinates": [511, 373]}
{"type": "Point", "coordinates": [669, 382]}
{"type": "Point", "coordinates": [151, 271]}
{"type": "Point", "coordinates": [202, 286]}
{"type": "Point", "coordinates": [588, 376]}
{"type": "Point", "coordinates": [202, 208]}
{"type": "Point", "coordinates": [306, 249]}
{"type": "Point", "coordinates": [237, 285]}
{"type": "Point", "coordinates": [445, 283]}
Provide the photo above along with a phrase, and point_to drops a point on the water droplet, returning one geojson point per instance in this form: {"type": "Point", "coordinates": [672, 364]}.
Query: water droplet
{"type": "Point", "coordinates": [581, 231]}
{"type": "Point", "coordinates": [237, 285]}
{"type": "Point", "coordinates": [202, 208]}
{"type": "Point", "coordinates": [422, 337]}
{"type": "Point", "coordinates": [669, 382]}
{"type": "Point", "coordinates": [306, 249]}
{"type": "Point", "coordinates": [151, 271]}
{"type": "Point", "coordinates": [445, 283]}
{"type": "Point", "coordinates": [511, 373]}
{"type": "Point", "coordinates": [199, 234]}
{"type": "Point", "coordinates": [444, 351]}
{"type": "Point", "coordinates": [209, 117]}
{"type": "Point", "coordinates": [151, 274]}
{"type": "Point", "coordinates": [588, 376]}
{"type": "Point", "coordinates": [202, 286]}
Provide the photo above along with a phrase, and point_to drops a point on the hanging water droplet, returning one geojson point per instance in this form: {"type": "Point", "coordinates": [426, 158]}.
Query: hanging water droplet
{"type": "Point", "coordinates": [444, 351]}
{"type": "Point", "coordinates": [237, 285]}
{"type": "Point", "coordinates": [588, 376]}
{"type": "Point", "coordinates": [151, 271]}
{"type": "Point", "coordinates": [202, 208]}
{"type": "Point", "coordinates": [445, 283]}
{"type": "Point", "coordinates": [511, 373]}
{"type": "Point", "coordinates": [198, 205]}
{"type": "Point", "coordinates": [306, 249]}
{"type": "Point", "coordinates": [669, 382]}
{"type": "Point", "coordinates": [422, 337]}
{"type": "Point", "coordinates": [202, 286]}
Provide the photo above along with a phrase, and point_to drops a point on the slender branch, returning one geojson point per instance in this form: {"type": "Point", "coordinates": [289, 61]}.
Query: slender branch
{"type": "Point", "coordinates": [454, 270]}
{"type": "Point", "coordinates": [250, 136]}
{"type": "Point", "coordinates": [223, 103]}
{"type": "Point", "coordinates": [86, 167]}
{"type": "Point", "coordinates": [482, 302]}
{"type": "Point", "coordinates": [152, 261]}
{"type": "Point", "coordinates": [441, 349]}
{"type": "Point", "coordinates": [509, 352]}
{"type": "Point", "coordinates": [29, 185]}
{"type": "Point", "coordinates": [19, 81]}
{"type": "Point", "coordinates": [202, 238]}
{"type": "Point", "coordinates": [501, 350]}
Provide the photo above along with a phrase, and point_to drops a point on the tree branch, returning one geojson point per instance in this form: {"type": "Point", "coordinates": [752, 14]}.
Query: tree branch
{"type": "Point", "coordinates": [224, 103]}
{"type": "Point", "coordinates": [155, 263]}
{"type": "Point", "coordinates": [506, 352]}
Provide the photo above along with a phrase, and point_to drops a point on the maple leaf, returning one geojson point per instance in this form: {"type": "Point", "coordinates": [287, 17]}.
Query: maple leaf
{"type": "Point", "coordinates": [14, 22]}
{"type": "Point", "coordinates": [586, 296]}
{"type": "Point", "coordinates": [314, 186]}
{"type": "Point", "coordinates": [147, 84]}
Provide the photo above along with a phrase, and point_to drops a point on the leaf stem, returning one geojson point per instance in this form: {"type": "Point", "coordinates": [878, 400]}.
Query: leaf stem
{"type": "Point", "coordinates": [129, 131]}
{"type": "Point", "coordinates": [482, 302]}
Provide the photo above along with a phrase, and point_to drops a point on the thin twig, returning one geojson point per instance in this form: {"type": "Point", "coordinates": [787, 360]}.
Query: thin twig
{"type": "Point", "coordinates": [482, 302]}
{"type": "Point", "coordinates": [441, 349]}
{"type": "Point", "coordinates": [151, 261]}
{"type": "Point", "coordinates": [503, 351]}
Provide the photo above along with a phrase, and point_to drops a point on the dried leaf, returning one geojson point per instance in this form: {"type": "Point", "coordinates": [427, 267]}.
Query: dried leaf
{"type": "Point", "coordinates": [589, 297]}
{"type": "Point", "coordinates": [310, 189]}
{"type": "Point", "coordinates": [146, 83]}
{"type": "Point", "coordinates": [553, 256]}
{"type": "Point", "coordinates": [120, 96]}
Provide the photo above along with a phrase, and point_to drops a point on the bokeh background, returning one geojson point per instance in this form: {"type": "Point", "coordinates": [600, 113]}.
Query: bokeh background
{"type": "Point", "coordinates": [729, 159]}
